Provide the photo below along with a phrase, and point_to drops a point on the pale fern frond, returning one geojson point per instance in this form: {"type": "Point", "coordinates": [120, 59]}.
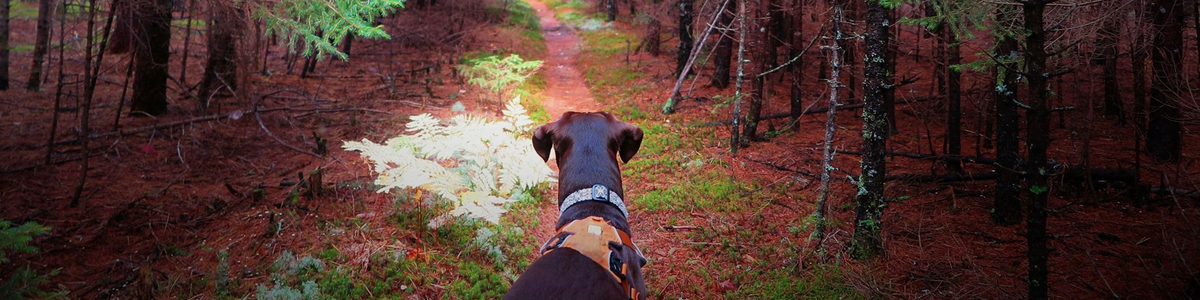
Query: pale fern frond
{"type": "Point", "coordinates": [475, 163]}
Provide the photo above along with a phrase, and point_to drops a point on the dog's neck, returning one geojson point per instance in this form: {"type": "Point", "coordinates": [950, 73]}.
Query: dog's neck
{"type": "Point", "coordinates": [596, 166]}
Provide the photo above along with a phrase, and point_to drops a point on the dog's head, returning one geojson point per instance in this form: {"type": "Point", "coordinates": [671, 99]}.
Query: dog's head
{"type": "Point", "coordinates": [580, 130]}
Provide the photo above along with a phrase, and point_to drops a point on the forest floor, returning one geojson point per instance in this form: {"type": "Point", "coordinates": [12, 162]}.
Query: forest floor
{"type": "Point", "coordinates": [170, 213]}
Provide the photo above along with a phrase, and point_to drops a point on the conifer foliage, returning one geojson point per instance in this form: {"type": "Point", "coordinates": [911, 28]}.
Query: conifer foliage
{"type": "Point", "coordinates": [320, 26]}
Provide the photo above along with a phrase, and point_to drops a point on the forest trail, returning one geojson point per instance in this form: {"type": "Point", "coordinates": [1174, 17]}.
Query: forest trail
{"type": "Point", "coordinates": [565, 87]}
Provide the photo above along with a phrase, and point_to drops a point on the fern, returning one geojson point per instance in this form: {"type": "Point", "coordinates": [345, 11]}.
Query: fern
{"type": "Point", "coordinates": [475, 163]}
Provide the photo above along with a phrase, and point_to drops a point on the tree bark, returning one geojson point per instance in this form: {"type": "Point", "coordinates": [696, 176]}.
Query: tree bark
{"type": "Point", "coordinates": [866, 242]}
{"type": "Point", "coordinates": [612, 10]}
{"type": "Point", "coordinates": [42, 45]}
{"type": "Point", "coordinates": [4, 33]}
{"type": "Point", "coordinates": [827, 153]}
{"type": "Point", "coordinates": [187, 41]}
{"type": "Point", "coordinates": [724, 49]}
{"type": "Point", "coordinates": [220, 71]}
{"type": "Point", "coordinates": [797, 69]}
{"type": "Point", "coordinates": [889, 96]}
{"type": "Point", "coordinates": [735, 138]}
{"type": "Point", "coordinates": [762, 56]}
{"type": "Point", "coordinates": [1107, 57]}
{"type": "Point", "coordinates": [1038, 124]}
{"type": "Point", "coordinates": [685, 35]}
{"type": "Point", "coordinates": [1164, 139]}
{"type": "Point", "coordinates": [152, 25]}
{"type": "Point", "coordinates": [1137, 58]}
{"type": "Point", "coordinates": [953, 99]}
{"type": "Point", "coordinates": [1006, 208]}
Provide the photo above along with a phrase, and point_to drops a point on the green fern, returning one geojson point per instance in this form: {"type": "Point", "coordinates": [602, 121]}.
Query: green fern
{"type": "Point", "coordinates": [475, 163]}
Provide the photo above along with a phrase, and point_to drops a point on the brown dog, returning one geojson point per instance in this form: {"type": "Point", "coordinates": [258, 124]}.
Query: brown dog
{"type": "Point", "coordinates": [592, 256]}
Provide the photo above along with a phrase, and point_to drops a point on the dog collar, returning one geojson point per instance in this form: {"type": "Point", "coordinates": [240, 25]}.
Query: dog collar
{"type": "Point", "coordinates": [595, 193]}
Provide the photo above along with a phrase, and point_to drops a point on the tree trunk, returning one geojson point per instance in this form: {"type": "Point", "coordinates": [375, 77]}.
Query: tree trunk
{"type": "Point", "coordinates": [1038, 126]}
{"type": "Point", "coordinates": [187, 42]}
{"type": "Point", "coordinates": [724, 48]}
{"type": "Point", "coordinates": [797, 68]}
{"type": "Point", "coordinates": [866, 242]}
{"type": "Point", "coordinates": [612, 10]}
{"type": "Point", "coordinates": [1137, 58]}
{"type": "Point", "coordinates": [653, 39]}
{"type": "Point", "coordinates": [1107, 57]}
{"type": "Point", "coordinates": [4, 5]}
{"type": "Point", "coordinates": [735, 138]}
{"type": "Point", "coordinates": [346, 47]}
{"type": "Point", "coordinates": [762, 56]}
{"type": "Point", "coordinates": [220, 71]}
{"type": "Point", "coordinates": [953, 99]}
{"type": "Point", "coordinates": [835, 64]}
{"type": "Point", "coordinates": [42, 45]}
{"type": "Point", "coordinates": [889, 96]}
{"type": "Point", "coordinates": [1164, 139]}
{"type": "Point", "coordinates": [153, 25]}
{"type": "Point", "coordinates": [685, 35]}
{"type": "Point", "coordinates": [123, 30]}
{"type": "Point", "coordinates": [1006, 208]}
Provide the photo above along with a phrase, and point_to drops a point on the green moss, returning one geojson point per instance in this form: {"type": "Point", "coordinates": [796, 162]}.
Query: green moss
{"type": "Point", "coordinates": [823, 282]}
{"type": "Point", "coordinates": [477, 283]}
{"type": "Point", "coordinates": [709, 191]}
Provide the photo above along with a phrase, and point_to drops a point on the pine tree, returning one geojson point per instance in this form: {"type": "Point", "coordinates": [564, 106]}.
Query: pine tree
{"type": "Point", "coordinates": [42, 44]}
{"type": "Point", "coordinates": [724, 49]}
{"type": "Point", "coordinates": [1164, 139]}
{"type": "Point", "coordinates": [152, 28]}
{"type": "Point", "coordinates": [866, 242]}
{"type": "Point", "coordinates": [1038, 137]}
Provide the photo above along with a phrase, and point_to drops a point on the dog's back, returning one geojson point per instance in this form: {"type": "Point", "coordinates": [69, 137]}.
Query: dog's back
{"type": "Point", "coordinates": [587, 146]}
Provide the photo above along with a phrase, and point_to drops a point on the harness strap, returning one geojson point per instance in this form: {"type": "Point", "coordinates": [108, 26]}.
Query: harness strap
{"type": "Point", "coordinates": [590, 236]}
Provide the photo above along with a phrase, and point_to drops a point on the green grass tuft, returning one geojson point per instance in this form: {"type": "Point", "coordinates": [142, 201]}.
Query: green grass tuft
{"type": "Point", "coordinates": [823, 282]}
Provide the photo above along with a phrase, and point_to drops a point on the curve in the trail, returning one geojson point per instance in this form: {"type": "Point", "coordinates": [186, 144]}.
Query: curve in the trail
{"type": "Point", "coordinates": [565, 87]}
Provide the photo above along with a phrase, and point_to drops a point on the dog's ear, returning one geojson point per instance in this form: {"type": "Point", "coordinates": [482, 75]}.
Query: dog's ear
{"type": "Point", "coordinates": [543, 139]}
{"type": "Point", "coordinates": [630, 140]}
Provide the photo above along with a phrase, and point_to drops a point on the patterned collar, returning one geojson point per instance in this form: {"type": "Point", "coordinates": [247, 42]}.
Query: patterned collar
{"type": "Point", "coordinates": [595, 193]}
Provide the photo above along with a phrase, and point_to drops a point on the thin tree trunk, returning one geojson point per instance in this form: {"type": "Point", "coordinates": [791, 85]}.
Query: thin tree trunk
{"type": "Point", "coordinates": [153, 25]}
{"type": "Point", "coordinates": [797, 68]}
{"type": "Point", "coordinates": [4, 33]}
{"type": "Point", "coordinates": [187, 42]}
{"type": "Point", "coordinates": [1006, 208]}
{"type": "Point", "coordinates": [612, 10]}
{"type": "Point", "coordinates": [42, 45]}
{"type": "Point", "coordinates": [1038, 124]}
{"type": "Point", "coordinates": [835, 65]}
{"type": "Point", "coordinates": [121, 101]}
{"type": "Point", "coordinates": [1109, 34]}
{"type": "Point", "coordinates": [889, 96]}
{"type": "Point", "coordinates": [1138, 55]}
{"type": "Point", "coordinates": [653, 40]}
{"type": "Point", "coordinates": [58, 90]}
{"type": "Point", "coordinates": [735, 138]}
{"type": "Point", "coordinates": [763, 56]}
{"type": "Point", "coordinates": [724, 49]}
{"type": "Point", "coordinates": [954, 100]}
{"type": "Point", "coordinates": [866, 242]}
{"type": "Point", "coordinates": [346, 47]}
{"type": "Point", "coordinates": [92, 73]}
{"type": "Point", "coordinates": [1164, 140]}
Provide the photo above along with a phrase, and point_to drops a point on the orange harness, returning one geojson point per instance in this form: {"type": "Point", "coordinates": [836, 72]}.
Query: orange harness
{"type": "Point", "coordinates": [590, 236]}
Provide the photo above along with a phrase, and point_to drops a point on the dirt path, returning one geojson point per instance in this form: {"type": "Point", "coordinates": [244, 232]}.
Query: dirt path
{"type": "Point", "coordinates": [565, 91]}
{"type": "Point", "coordinates": [565, 88]}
